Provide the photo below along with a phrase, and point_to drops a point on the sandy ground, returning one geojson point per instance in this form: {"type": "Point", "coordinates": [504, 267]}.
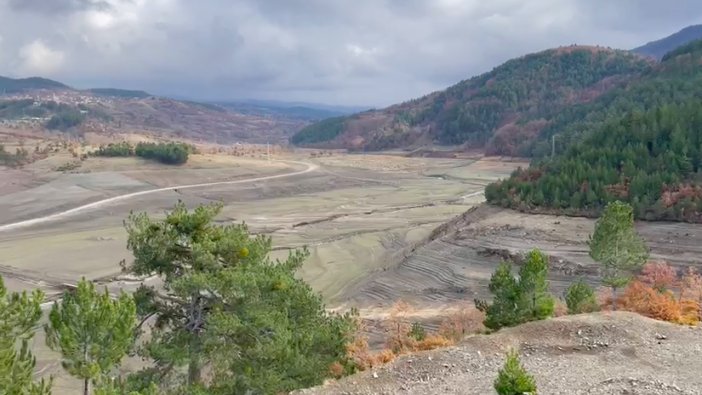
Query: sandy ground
{"type": "Point", "coordinates": [458, 263]}
{"type": "Point", "coordinates": [360, 215]}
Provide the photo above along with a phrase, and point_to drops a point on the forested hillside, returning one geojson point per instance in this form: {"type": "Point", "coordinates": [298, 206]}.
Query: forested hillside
{"type": "Point", "coordinates": [640, 144]}
{"type": "Point", "coordinates": [503, 110]}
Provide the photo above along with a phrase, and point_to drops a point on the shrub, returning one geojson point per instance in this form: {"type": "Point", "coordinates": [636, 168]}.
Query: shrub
{"type": "Point", "coordinates": [645, 300]}
{"type": "Point", "coordinates": [580, 298]}
{"type": "Point", "coordinates": [417, 332]}
{"type": "Point", "coordinates": [658, 275]}
{"type": "Point", "coordinates": [513, 379]}
{"type": "Point", "coordinates": [432, 342]}
{"type": "Point", "coordinates": [519, 300]}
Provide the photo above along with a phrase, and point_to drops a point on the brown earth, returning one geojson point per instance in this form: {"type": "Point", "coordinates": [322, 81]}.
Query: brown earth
{"type": "Point", "coordinates": [604, 353]}
{"type": "Point", "coordinates": [455, 263]}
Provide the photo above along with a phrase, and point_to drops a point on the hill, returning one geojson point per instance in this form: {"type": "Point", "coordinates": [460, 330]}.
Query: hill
{"type": "Point", "coordinates": [12, 85]}
{"type": "Point", "coordinates": [134, 94]}
{"type": "Point", "coordinates": [658, 48]}
{"type": "Point", "coordinates": [302, 111]}
{"type": "Point", "coordinates": [503, 110]}
{"type": "Point", "coordinates": [604, 353]}
{"type": "Point", "coordinates": [38, 103]}
{"type": "Point", "coordinates": [640, 143]}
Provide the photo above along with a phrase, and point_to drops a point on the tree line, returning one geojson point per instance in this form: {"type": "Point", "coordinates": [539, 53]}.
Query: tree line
{"type": "Point", "coordinates": [171, 153]}
{"type": "Point", "coordinates": [652, 160]}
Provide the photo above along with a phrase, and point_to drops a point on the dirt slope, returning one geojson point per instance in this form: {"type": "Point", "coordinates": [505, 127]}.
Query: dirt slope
{"type": "Point", "coordinates": [605, 353]}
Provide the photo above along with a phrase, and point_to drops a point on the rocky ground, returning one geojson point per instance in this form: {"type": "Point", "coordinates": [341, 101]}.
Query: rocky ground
{"type": "Point", "coordinates": [604, 353]}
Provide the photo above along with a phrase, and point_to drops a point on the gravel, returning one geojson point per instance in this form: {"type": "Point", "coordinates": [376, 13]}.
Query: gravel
{"type": "Point", "coordinates": [603, 353]}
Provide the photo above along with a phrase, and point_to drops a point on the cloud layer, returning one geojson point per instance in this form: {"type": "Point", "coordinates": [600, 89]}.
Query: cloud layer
{"type": "Point", "coordinates": [366, 52]}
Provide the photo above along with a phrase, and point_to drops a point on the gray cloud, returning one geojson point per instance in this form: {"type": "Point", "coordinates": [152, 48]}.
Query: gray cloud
{"type": "Point", "coordinates": [372, 52]}
{"type": "Point", "coordinates": [53, 7]}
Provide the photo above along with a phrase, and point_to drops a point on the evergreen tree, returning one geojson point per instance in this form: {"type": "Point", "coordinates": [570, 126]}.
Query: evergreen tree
{"type": "Point", "coordinates": [580, 298]}
{"type": "Point", "coordinates": [513, 379]}
{"type": "Point", "coordinates": [535, 301]}
{"type": "Point", "coordinates": [226, 306]}
{"type": "Point", "coordinates": [19, 314]}
{"type": "Point", "coordinates": [92, 331]}
{"type": "Point", "coordinates": [617, 247]}
{"type": "Point", "coordinates": [504, 309]}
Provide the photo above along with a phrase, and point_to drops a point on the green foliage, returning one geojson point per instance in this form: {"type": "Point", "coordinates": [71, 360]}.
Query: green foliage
{"type": "Point", "coordinates": [519, 300]}
{"type": "Point", "coordinates": [92, 331]}
{"type": "Point", "coordinates": [616, 245]}
{"type": "Point", "coordinates": [638, 144]}
{"type": "Point", "coordinates": [535, 301]}
{"type": "Point", "coordinates": [19, 314]}
{"type": "Point", "coordinates": [109, 386]}
{"type": "Point", "coordinates": [65, 120]}
{"type": "Point", "coordinates": [227, 306]}
{"type": "Point", "coordinates": [513, 379]}
{"type": "Point", "coordinates": [417, 332]}
{"type": "Point", "coordinates": [319, 132]}
{"type": "Point", "coordinates": [122, 149]}
{"type": "Point", "coordinates": [652, 160]}
{"type": "Point", "coordinates": [168, 153]}
{"type": "Point", "coordinates": [580, 298]}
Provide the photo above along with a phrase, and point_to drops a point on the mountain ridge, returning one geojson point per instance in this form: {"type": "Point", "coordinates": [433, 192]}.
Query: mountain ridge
{"type": "Point", "coordinates": [501, 110]}
{"type": "Point", "coordinates": [658, 48]}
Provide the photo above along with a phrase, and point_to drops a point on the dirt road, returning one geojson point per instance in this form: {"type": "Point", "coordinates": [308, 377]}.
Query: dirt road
{"type": "Point", "coordinates": [105, 202]}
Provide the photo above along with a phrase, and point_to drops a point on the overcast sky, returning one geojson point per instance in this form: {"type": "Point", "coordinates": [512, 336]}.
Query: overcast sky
{"type": "Point", "coordinates": [354, 52]}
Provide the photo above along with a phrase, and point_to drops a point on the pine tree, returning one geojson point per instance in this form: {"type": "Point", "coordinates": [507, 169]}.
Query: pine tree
{"type": "Point", "coordinates": [580, 298]}
{"type": "Point", "coordinates": [227, 307]}
{"type": "Point", "coordinates": [617, 247]}
{"type": "Point", "coordinates": [513, 379]}
{"type": "Point", "coordinates": [504, 310]}
{"type": "Point", "coordinates": [92, 331]}
{"type": "Point", "coordinates": [535, 301]}
{"type": "Point", "coordinates": [19, 314]}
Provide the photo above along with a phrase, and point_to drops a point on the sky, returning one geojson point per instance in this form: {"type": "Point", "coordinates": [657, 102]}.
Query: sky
{"type": "Point", "coordinates": [343, 52]}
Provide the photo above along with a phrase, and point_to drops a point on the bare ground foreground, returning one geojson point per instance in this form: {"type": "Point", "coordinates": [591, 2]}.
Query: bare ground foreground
{"type": "Point", "coordinates": [597, 354]}
{"type": "Point", "coordinates": [379, 228]}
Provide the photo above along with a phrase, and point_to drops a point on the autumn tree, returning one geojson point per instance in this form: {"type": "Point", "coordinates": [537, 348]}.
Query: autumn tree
{"type": "Point", "coordinates": [658, 275]}
{"type": "Point", "coordinates": [92, 331]}
{"type": "Point", "coordinates": [19, 314]}
{"type": "Point", "coordinates": [616, 245]}
{"type": "Point", "coordinates": [513, 379]}
{"type": "Point", "coordinates": [580, 298]}
{"type": "Point", "coordinates": [226, 306]}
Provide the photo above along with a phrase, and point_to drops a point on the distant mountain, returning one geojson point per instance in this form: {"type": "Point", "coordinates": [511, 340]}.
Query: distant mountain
{"type": "Point", "coordinates": [125, 93]}
{"type": "Point", "coordinates": [12, 85]}
{"type": "Point", "coordinates": [502, 111]}
{"type": "Point", "coordinates": [293, 110]}
{"type": "Point", "coordinates": [658, 48]}
{"type": "Point", "coordinates": [39, 102]}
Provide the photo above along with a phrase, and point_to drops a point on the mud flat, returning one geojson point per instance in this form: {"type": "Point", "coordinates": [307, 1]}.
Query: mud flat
{"type": "Point", "coordinates": [457, 262]}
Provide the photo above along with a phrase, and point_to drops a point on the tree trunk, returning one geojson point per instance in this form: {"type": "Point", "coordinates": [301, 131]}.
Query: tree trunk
{"type": "Point", "coordinates": [614, 299]}
{"type": "Point", "coordinates": [86, 386]}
